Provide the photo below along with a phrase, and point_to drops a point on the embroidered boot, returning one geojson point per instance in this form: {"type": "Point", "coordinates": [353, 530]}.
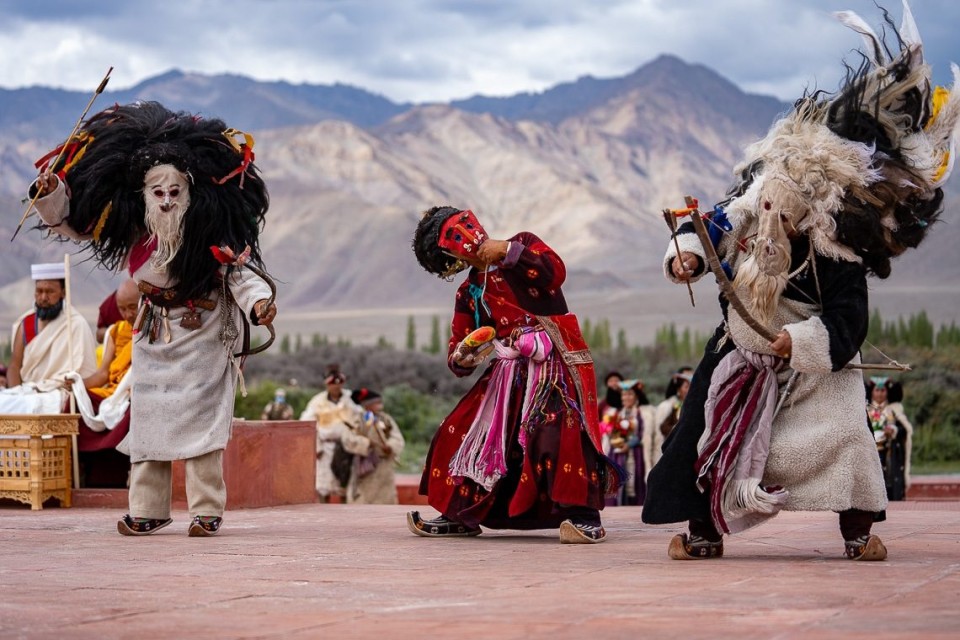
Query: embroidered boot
{"type": "Point", "coordinates": [692, 547]}
{"type": "Point", "coordinates": [127, 526]}
{"type": "Point", "coordinates": [868, 547]}
{"type": "Point", "coordinates": [440, 527]}
{"type": "Point", "coordinates": [204, 526]}
{"type": "Point", "coordinates": [579, 533]}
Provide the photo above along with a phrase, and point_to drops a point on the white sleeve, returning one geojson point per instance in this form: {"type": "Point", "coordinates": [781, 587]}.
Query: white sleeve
{"type": "Point", "coordinates": [247, 288]}
{"type": "Point", "coordinates": [54, 211]}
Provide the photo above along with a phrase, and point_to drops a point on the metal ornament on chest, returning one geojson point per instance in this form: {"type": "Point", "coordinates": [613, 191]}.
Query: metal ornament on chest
{"type": "Point", "coordinates": [191, 319]}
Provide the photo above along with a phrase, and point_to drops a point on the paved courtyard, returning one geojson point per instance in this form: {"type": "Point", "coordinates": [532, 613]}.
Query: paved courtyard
{"type": "Point", "coordinates": [335, 571]}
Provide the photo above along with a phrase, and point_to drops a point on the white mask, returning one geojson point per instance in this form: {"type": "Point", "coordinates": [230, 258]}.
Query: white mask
{"type": "Point", "coordinates": [166, 195]}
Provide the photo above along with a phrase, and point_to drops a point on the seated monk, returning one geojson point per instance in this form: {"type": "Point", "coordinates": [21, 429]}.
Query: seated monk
{"type": "Point", "coordinates": [48, 341]}
{"type": "Point", "coordinates": [101, 465]}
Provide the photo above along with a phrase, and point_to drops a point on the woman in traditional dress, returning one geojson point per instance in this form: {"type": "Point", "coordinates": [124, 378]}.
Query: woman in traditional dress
{"type": "Point", "coordinates": [893, 433]}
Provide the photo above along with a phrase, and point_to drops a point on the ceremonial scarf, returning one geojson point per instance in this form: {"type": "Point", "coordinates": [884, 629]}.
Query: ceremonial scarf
{"type": "Point", "coordinates": [733, 450]}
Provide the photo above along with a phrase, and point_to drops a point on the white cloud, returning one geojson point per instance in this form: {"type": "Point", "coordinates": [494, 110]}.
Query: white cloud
{"type": "Point", "coordinates": [437, 50]}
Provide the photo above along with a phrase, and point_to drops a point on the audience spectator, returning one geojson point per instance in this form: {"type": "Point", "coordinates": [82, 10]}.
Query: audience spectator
{"type": "Point", "coordinates": [378, 442]}
{"type": "Point", "coordinates": [668, 411]}
{"type": "Point", "coordinates": [611, 402]}
{"type": "Point", "coordinates": [278, 408]}
{"type": "Point", "coordinates": [623, 444]}
{"type": "Point", "coordinates": [101, 465]}
{"type": "Point", "coordinates": [893, 433]}
{"type": "Point", "coordinates": [49, 341]}
{"type": "Point", "coordinates": [108, 314]}
{"type": "Point", "coordinates": [332, 410]}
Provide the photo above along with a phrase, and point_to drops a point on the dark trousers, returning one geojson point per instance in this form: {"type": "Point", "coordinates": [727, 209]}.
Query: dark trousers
{"type": "Point", "coordinates": [854, 523]}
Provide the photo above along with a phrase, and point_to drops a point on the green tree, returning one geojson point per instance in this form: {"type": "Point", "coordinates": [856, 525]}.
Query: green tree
{"type": "Point", "coordinates": [875, 329]}
{"type": "Point", "coordinates": [921, 330]}
{"type": "Point", "coordinates": [685, 347]}
{"type": "Point", "coordinates": [601, 340]}
{"type": "Point", "coordinates": [285, 344]}
{"type": "Point", "coordinates": [587, 329]}
{"type": "Point", "coordinates": [622, 346]}
{"type": "Point", "coordinates": [903, 332]}
{"type": "Point", "coordinates": [434, 346]}
{"type": "Point", "coordinates": [298, 345]}
{"type": "Point", "coordinates": [411, 334]}
{"type": "Point", "coordinates": [948, 335]}
{"type": "Point", "coordinates": [316, 341]}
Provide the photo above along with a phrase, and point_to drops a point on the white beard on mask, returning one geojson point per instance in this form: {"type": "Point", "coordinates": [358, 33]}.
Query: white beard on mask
{"type": "Point", "coordinates": [765, 272]}
{"type": "Point", "coordinates": [166, 195]}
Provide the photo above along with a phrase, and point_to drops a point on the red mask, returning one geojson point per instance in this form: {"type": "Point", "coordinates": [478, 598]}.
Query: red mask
{"type": "Point", "coordinates": [462, 234]}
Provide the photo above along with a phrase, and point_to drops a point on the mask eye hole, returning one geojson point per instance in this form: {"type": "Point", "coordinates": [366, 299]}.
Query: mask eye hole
{"type": "Point", "coordinates": [158, 193]}
{"type": "Point", "coordinates": [174, 192]}
{"type": "Point", "coordinates": [767, 206]}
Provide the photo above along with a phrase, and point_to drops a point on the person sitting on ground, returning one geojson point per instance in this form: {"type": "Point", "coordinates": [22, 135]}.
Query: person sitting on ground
{"type": "Point", "coordinates": [373, 480]}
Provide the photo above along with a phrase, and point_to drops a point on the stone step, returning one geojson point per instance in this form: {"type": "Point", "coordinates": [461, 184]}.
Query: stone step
{"type": "Point", "coordinates": [935, 487]}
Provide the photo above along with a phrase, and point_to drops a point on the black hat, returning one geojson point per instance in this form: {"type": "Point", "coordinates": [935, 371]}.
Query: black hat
{"type": "Point", "coordinates": [363, 396]}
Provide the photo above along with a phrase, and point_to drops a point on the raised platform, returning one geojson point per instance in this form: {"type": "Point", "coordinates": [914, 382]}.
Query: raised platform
{"type": "Point", "coordinates": [334, 571]}
{"type": "Point", "coordinates": [943, 487]}
{"type": "Point", "coordinates": [408, 486]}
{"type": "Point", "coordinates": [938, 487]}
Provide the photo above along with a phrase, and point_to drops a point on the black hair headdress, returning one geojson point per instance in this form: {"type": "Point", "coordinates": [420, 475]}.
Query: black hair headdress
{"type": "Point", "coordinates": [104, 167]}
{"type": "Point", "coordinates": [426, 243]}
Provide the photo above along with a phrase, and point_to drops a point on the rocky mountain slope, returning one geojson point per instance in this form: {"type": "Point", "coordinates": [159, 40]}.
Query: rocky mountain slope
{"type": "Point", "coordinates": [587, 165]}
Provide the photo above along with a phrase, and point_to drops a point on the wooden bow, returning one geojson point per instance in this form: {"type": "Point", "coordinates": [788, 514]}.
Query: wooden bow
{"type": "Point", "coordinates": [693, 210]}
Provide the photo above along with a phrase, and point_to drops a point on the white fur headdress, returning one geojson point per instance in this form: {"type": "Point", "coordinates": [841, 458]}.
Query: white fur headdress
{"type": "Point", "coordinates": [859, 171]}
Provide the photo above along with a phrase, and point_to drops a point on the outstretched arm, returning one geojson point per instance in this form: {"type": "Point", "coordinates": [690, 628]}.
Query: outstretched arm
{"type": "Point", "coordinates": [53, 206]}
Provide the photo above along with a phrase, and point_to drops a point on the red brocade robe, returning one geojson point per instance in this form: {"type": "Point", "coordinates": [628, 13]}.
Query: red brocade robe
{"type": "Point", "coordinates": [562, 464]}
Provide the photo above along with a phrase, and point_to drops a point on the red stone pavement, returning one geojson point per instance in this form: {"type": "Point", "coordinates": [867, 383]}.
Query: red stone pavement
{"type": "Point", "coordinates": [337, 571]}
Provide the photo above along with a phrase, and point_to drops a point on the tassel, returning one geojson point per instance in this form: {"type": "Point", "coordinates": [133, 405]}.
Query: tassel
{"type": "Point", "coordinates": [141, 316]}
{"type": "Point", "coordinates": [240, 381]}
{"type": "Point", "coordinates": [167, 336]}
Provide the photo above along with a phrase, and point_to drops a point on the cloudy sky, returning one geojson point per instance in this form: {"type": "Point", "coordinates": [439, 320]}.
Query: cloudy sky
{"type": "Point", "coordinates": [438, 50]}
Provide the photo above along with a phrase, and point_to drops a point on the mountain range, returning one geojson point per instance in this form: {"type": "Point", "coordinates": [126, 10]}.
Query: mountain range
{"type": "Point", "coordinates": [587, 165]}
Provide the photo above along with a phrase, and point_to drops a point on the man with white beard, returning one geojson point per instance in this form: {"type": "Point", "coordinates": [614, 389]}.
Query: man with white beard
{"type": "Point", "coordinates": [773, 417]}
{"type": "Point", "coordinates": [176, 200]}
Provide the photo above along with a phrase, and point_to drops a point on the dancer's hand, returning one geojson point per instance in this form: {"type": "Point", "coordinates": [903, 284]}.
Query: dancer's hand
{"type": "Point", "coordinates": [46, 183]}
{"type": "Point", "coordinates": [782, 345]}
{"type": "Point", "coordinates": [684, 266]}
{"type": "Point", "coordinates": [492, 251]}
{"type": "Point", "coordinates": [265, 313]}
{"type": "Point", "coordinates": [471, 357]}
